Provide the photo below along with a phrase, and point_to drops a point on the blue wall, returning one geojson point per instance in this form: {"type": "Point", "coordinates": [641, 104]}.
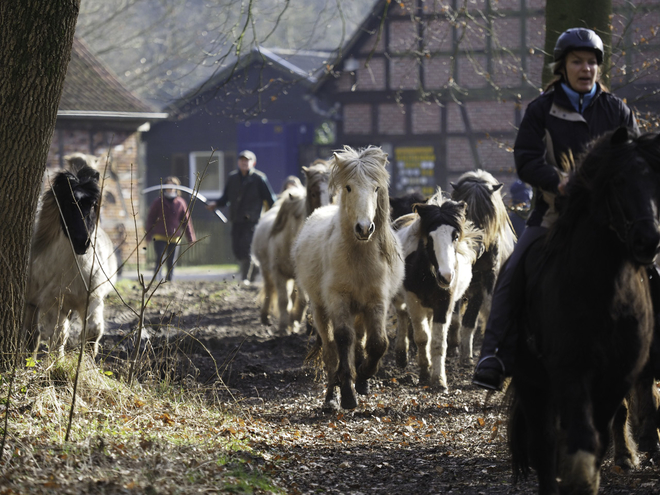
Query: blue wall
{"type": "Point", "coordinates": [276, 146]}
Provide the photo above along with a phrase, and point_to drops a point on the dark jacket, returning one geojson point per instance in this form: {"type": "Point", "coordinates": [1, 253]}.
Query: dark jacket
{"type": "Point", "coordinates": [176, 214]}
{"type": "Point", "coordinates": [246, 195]}
{"type": "Point", "coordinates": [550, 128]}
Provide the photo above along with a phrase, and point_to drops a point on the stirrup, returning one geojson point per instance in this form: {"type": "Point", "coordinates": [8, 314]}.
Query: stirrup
{"type": "Point", "coordinates": [492, 356]}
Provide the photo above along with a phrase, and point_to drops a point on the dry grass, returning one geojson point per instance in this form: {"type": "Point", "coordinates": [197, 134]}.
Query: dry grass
{"type": "Point", "coordinates": [141, 439]}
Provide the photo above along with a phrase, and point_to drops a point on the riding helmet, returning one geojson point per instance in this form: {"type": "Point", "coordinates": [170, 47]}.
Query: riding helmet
{"type": "Point", "coordinates": [578, 39]}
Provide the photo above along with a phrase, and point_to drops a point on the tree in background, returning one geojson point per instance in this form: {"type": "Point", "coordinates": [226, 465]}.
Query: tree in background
{"type": "Point", "coordinates": [35, 48]}
{"type": "Point", "coordinates": [561, 15]}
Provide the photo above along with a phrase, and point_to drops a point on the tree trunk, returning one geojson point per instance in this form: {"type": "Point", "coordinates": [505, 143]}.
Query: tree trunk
{"type": "Point", "coordinates": [35, 48]}
{"type": "Point", "coordinates": [561, 15]}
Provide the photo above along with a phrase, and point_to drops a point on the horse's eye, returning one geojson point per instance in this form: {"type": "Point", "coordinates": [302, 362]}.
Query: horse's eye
{"type": "Point", "coordinates": [454, 236]}
{"type": "Point", "coordinates": [348, 188]}
{"type": "Point", "coordinates": [377, 188]}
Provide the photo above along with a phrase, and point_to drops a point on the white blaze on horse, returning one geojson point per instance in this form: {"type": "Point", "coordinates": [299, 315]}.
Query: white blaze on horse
{"type": "Point", "coordinates": [349, 263]}
{"type": "Point", "coordinates": [72, 261]}
{"type": "Point", "coordinates": [439, 247]}
{"type": "Point", "coordinates": [273, 240]}
{"type": "Point", "coordinates": [487, 211]}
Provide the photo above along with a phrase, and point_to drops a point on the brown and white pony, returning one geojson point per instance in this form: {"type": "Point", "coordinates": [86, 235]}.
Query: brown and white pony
{"type": "Point", "coordinates": [273, 240]}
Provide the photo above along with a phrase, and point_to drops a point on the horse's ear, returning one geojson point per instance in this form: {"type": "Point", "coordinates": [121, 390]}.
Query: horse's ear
{"type": "Point", "coordinates": [620, 136]}
{"type": "Point", "coordinates": [497, 187]}
{"type": "Point", "coordinates": [305, 169]}
{"type": "Point", "coordinates": [453, 186]}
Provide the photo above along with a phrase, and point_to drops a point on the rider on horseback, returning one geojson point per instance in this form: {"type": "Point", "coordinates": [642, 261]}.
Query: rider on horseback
{"type": "Point", "coordinates": [572, 111]}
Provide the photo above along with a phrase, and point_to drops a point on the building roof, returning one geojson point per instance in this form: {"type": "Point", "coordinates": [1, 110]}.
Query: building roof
{"type": "Point", "coordinates": [304, 65]}
{"type": "Point", "coordinates": [91, 90]}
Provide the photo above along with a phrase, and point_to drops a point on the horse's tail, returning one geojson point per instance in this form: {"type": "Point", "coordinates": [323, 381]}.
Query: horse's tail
{"type": "Point", "coordinates": [517, 436]}
{"type": "Point", "coordinates": [314, 354]}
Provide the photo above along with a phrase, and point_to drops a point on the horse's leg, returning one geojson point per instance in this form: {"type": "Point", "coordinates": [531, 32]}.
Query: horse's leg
{"type": "Point", "coordinates": [624, 450]}
{"type": "Point", "coordinates": [376, 344]}
{"type": "Point", "coordinates": [330, 356]}
{"type": "Point", "coordinates": [282, 302]}
{"type": "Point", "coordinates": [469, 325]}
{"type": "Point", "coordinates": [646, 395]}
{"type": "Point", "coordinates": [300, 302]}
{"type": "Point", "coordinates": [439, 354]}
{"type": "Point", "coordinates": [268, 293]}
{"type": "Point", "coordinates": [95, 323]}
{"type": "Point", "coordinates": [345, 339]}
{"type": "Point", "coordinates": [454, 333]}
{"type": "Point", "coordinates": [402, 328]}
{"type": "Point", "coordinates": [361, 386]}
{"type": "Point", "coordinates": [419, 316]}
{"type": "Point", "coordinates": [585, 435]}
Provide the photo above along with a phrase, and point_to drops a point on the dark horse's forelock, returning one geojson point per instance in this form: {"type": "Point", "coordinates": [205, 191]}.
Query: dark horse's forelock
{"type": "Point", "coordinates": [77, 198]}
{"type": "Point", "coordinates": [450, 213]}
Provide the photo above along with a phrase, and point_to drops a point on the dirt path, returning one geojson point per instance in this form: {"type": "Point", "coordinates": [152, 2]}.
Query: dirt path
{"type": "Point", "coordinates": [401, 439]}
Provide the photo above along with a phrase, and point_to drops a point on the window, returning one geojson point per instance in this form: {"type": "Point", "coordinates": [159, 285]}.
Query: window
{"type": "Point", "coordinates": [208, 168]}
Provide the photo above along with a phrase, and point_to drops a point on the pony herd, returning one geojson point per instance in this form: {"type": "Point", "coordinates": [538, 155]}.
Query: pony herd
{"type": "Point", "coordinates": [583, 309]}
{"type": "Point", "coordinates": [583, 306]}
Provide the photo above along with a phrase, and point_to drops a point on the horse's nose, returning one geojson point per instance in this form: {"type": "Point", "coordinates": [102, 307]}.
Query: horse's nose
{"type": "Point", "coordinates": [364, 233]}
{"type": "Point", "coordinates": [645, 245]}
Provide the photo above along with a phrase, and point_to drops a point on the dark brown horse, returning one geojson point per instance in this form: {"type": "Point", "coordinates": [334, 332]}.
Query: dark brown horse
{"type": "Point", "coordinates": [584, 314]}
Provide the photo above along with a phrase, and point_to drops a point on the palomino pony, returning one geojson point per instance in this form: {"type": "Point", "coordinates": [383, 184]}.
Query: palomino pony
{"type": "Point", "coordinates": [584, 314]}
{"type": "Point", "coordinates": [486, 210]}
{"type": "Point", "coordinates": [273, 241]}
{"type": "Point", "coordinates": [70, 258]}
{"type": "Point", "coordinates": [439, 247]}
{"type": "Point", "coordinates": [349, 263]}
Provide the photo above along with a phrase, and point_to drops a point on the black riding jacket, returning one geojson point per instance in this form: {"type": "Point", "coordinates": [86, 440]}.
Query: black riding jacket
{"type": "Point", "coordinates": [246, 195]}
{"type": "Point", "coordinates": [550, 128]}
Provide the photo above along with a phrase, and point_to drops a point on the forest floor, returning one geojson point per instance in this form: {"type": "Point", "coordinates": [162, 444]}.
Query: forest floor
{"type": "Point", "coordinates": [402, 438]}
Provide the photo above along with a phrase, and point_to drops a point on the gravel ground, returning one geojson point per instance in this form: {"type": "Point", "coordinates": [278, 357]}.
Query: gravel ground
{"type": "Point", "coordinates": [401, 439]}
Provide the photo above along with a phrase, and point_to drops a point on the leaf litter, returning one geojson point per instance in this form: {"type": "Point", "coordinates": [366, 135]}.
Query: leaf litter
{"type": "Point", "coordinates": [223, 404]}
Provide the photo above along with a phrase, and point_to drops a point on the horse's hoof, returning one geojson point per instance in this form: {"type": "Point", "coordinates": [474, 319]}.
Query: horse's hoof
{"type": "Point", "coordinates": [348, 401]}
{"type": "Point", "coordinates": [649, 445]}
{"type": "Point", "coordinates": [401, 359]}
{"type": "Point", "coordinates": [330, 406]}
{"type": "Point", "coordinates": [625, 463]}
{"type": "Point", "coordinates": [265, 320]}
{"type": "Point", "coordinates": [424, 379]}
{"type": "Point", "coordinates": [362, 386]}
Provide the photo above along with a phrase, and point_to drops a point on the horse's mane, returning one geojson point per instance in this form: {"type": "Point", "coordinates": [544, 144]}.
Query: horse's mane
{"type": "Point", "coordinates": [317, 172]}
{"type": "Point", "coordinates": [292, 206]}
{"type": "Point", "coordinates": [594, 178]}
{"type": "Point", "coordinates": [368, 162]}
{"type": "Point", "coordinates": [67, 186]}
{"type": "Point", "coordinates": [479, 189]}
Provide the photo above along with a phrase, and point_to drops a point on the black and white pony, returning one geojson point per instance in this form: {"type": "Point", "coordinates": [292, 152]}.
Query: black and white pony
{"type": "Point", "coordinates": [70, 258]}
{"type": "Point", "coordinates": [487, 211]}
{"type": "Point", "coordinates": [584, 314]}
{"type": "Point", "coordinates": [439, 248]}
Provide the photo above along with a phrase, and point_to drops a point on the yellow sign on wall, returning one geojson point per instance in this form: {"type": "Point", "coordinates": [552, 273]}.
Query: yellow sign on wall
{"type": "Point", "coordinates": [415, 169]}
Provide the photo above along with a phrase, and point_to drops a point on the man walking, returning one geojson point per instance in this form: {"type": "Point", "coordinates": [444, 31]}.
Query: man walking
{"type": "Point", "coordinates": [246, 191]}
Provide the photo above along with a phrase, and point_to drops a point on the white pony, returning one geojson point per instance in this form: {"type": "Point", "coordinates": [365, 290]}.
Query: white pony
{"type": "Point", "coordinates": [70, 257]}
{"type": "Point", "coordinates": [439, 247]}
{"type": "Point", "coordinates": [273, 240]}
{"type": "Point", "coordinates": [349, 263]}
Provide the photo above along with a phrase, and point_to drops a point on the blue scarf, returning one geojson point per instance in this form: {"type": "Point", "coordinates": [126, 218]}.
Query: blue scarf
{"type": "Point", "coordinates": [574, 97]}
